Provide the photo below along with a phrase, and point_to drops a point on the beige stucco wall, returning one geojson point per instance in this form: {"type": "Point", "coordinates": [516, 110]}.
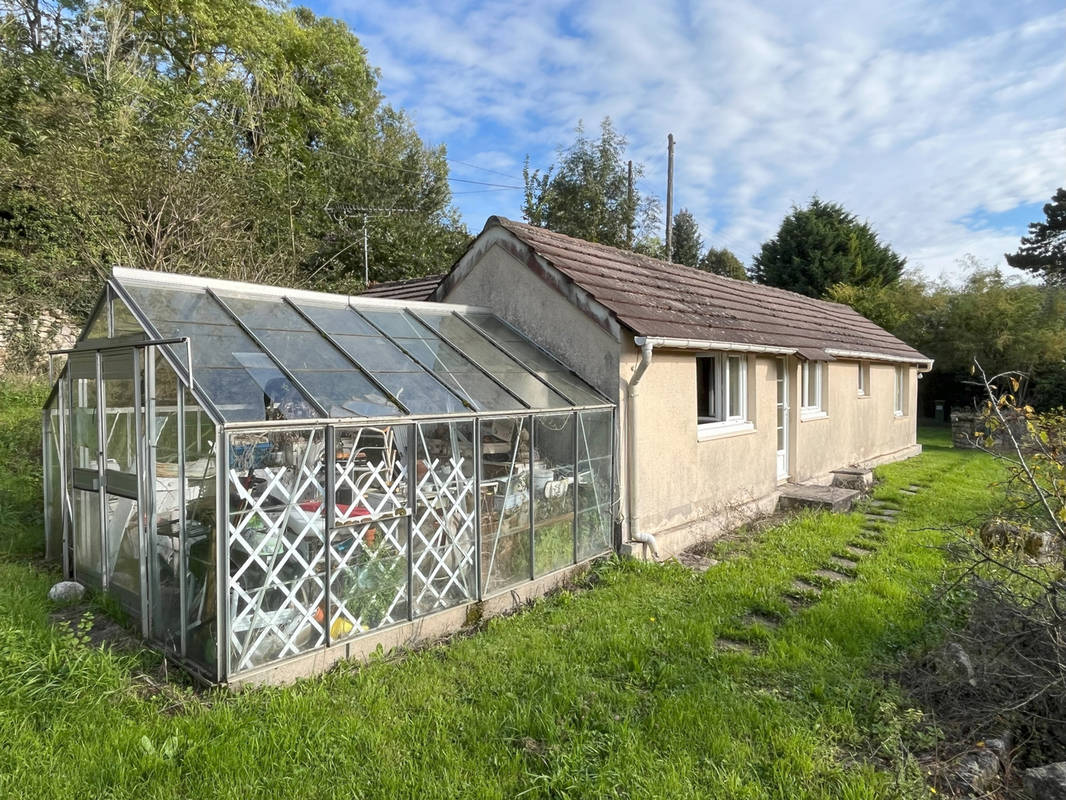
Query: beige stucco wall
{"type": "Point", "coordinates": [857, 429]}
{"type": "Point", "coordinates": [681, 479]}
{"type": "Point", "coordinates": [502, 283]}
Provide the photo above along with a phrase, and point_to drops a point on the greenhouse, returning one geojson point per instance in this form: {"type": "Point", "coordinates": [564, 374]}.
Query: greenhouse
{"type": "Point", "coordinates": [256, 474]}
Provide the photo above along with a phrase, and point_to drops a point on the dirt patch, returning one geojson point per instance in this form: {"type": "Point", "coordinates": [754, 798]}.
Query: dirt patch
{"type": "Point", "coordinates": [100, 629]}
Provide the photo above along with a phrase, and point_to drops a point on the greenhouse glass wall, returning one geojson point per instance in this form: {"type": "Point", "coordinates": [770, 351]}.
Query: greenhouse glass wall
{"type": "Point", "coordinates": [258, 473]}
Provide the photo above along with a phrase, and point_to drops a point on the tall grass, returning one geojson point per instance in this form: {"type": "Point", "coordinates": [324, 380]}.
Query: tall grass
{"type": "Point", "coordinates": [617, 691]}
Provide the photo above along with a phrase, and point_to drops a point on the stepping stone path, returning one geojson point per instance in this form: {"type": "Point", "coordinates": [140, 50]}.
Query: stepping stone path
{"type": "Point", "coordinates": [884, 510]}
{"type": "Point", "coordinates": [757, 618]}
{"type": "Point", "coordinates": [806, 587]}
{"type": "Point", "coordinates": [802, 593]}
{"type": "Point", "coordinates": [833, 575]}
{"type": "Point", "coordinates": [879, 518]}
{"type": "Point", "coordinates": [734, 645]}
{"type": "Point", "coordinates": [847, 563]}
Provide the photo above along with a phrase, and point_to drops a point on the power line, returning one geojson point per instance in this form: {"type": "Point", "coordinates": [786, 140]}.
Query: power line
{"type": "Point", "coordinates": [483, 169]}
{"type": "Point", "coordinates": [483, 191]}
{"type": "Point", "coordinates": [405, 169]}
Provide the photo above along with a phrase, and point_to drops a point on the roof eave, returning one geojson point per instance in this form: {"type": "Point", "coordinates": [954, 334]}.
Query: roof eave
{"type": "Point", "coordinates": [743, 347]}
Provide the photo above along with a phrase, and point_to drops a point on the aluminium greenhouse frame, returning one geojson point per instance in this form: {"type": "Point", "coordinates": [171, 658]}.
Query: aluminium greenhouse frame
{"type": "Point", "coordinates": [242, 543]}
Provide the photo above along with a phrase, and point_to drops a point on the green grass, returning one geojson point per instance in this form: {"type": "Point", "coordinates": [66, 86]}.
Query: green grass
{"type": "Point", "coordinates": [615, 691]}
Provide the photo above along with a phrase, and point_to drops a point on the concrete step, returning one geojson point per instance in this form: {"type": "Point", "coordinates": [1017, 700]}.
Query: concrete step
{"type": "Point", "coordinates": [827, 498]}
{"type": "Point", "coordinates": [860, 478]}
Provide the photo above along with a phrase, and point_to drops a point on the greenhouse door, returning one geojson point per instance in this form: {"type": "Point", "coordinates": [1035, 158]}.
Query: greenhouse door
{"type": "Point", "coordinates": [122, 434]}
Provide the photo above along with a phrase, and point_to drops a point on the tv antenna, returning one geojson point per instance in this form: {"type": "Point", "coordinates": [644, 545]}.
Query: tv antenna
{"type": "Point", "coordinates": [340, 213]}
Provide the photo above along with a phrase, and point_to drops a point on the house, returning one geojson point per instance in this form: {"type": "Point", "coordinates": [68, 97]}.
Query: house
{"type": "Point", "coordinates": [269, 480]}
{"type": "Point", "coordinates": [726, 390]}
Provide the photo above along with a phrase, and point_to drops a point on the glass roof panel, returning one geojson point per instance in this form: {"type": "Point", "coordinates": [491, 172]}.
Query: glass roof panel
{"type": "Point", "coordinates": [536, 360]}
{"type": "Point", "coordinates": [376, 353]}
{"type": "Point", "coordinates": [479, 391]}
{"type": "Point", "coordinates": [422, 393]}
{"type": "Point", "coordinates": [395, 323]}
{"type": "Point", "coordinates": [320, 368]}
{"type": "Point", "coordinates": [235, 374]}
{"type": "Point", "coordinates": [336, 319]}
{"type": "Point", "coordinates": [354, 360]}
{"type": "Point", "coordinates": [408, 381]}
{"type": "Point", "coordinates": [472, 343]}
{"type": "Point", "coordinates": [437, 356]}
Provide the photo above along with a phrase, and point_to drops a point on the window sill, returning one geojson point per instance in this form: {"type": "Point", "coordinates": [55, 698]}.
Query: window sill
{"type": "Point", "coordinates": [863, 396]}
{"type": "Point", "coordinates": [898, 414]}
{"type": "Point", "coordinates": [720, 430]}
{"type": "Point", "coordinates": [810, 416]}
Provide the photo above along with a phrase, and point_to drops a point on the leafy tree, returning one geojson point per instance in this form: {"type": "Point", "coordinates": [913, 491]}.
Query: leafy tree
{"type": "Point", "coordinates": [586, 194]}
{"type": "Point", "coordinates": [1043, 251]}
{"type": "Point", "coordinates": [686, 243]}
{"type": "Point", "coordinates": [723, 262]}
{"type": "Point", "coordinates": [236, 139]}
{"type": "Point", "coordinates": [822, 245]}
{"type": "Point", "coordinates": [1005, 324]}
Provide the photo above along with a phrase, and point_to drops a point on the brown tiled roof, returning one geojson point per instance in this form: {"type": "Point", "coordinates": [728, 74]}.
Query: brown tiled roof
{"type": "Point", "coordinates": [410, 289]}
{"type": "Point", "coordinates": [656, 298]}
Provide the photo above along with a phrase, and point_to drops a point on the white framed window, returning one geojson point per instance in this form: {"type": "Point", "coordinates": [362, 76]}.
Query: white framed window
{"type": "Point", "coordinates": [722, 394]}
{"type": "Point", "coordinates": [900, 393]}
{"type": "Point", "coordinates": [812, 404]}
{"type": "Point", "coordinates": [864, 379]}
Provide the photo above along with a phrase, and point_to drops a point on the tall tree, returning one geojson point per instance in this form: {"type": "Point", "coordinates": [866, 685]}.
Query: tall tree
{"type": "Point", "coordinates": [239, 139]}
{"type": "Point", "coordinates": [687, 242]}
{"type": "Point", "coordinates": [586, 194]}
{"type": "Point", "coordinates": [1006, 324]}
{"type": "Point", "coordinates": [723, 262]}
{"type": "Point", "coordinates": [1043, 251]}
{"type": "Point", "coordinates": [822, 245]}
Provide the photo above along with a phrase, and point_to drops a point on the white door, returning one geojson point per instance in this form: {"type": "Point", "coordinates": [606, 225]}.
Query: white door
{"type": "Point", "coordinates": [782, 419]}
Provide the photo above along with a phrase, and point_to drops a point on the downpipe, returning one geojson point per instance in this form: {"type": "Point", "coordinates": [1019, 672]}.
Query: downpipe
{"type": "Point", "coordinates": [635, 535]}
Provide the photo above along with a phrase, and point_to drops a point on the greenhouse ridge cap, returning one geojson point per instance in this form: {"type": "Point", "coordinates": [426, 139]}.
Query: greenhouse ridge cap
{"type": "Point", "coordinates": [180, 280]}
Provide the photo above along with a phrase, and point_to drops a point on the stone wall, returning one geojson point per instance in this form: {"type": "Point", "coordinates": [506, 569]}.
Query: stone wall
{"type": "Point", "coordinates": [966, 425]}
{"type": "Point", "coordinates": [26, 338]}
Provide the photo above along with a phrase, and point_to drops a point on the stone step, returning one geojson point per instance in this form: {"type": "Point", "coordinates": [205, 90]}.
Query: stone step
{"type": "Point", "coordinates": [825, 498]}
{"type": "Point", "coordinates": [860, 478]}
{"type": "Point", "coordinates": [759, 619]}
{"type": "Point", "coordinates": [833, 576]}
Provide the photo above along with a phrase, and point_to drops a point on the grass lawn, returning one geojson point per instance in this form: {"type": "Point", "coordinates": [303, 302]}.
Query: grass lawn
{"type": "Point", "coordinates": [617, 691]}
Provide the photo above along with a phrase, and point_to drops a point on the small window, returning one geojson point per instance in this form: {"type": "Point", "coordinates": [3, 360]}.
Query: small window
{"type": "Point", "coordinates": [721, 389]}
{"type": "Point", "coordinates": [899, 394]}
{"type": "Point", "coordinates": [864, 379]}
{"type": "Point", "coordinates": [811, 404]}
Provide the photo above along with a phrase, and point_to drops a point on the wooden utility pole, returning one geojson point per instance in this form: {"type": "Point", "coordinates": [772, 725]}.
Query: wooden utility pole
{"type": "Point", "coordinates": [670, 197]}
{"type": "Point", "coordinates": [632, 212]}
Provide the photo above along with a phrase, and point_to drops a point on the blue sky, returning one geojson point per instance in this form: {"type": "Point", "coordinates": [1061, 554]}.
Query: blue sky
{"type": "Point", "coordinates": [942, 123]}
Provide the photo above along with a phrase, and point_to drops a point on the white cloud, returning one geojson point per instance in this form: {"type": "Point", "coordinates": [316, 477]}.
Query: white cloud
{"type": "Point", "coordinates": [913, 115]}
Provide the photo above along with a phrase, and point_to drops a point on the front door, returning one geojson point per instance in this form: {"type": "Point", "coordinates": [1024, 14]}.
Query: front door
{"type": "Point", "coordinates": [782, 419]}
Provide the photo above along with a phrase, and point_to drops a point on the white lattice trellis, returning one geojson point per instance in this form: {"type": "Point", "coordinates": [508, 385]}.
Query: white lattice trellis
{"type": "Point", "coordinates": [277, 559]}
{"type": "Point", "coordinates": [368, 586]}
{"type": "Point", "coordinates": [443, 537]}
